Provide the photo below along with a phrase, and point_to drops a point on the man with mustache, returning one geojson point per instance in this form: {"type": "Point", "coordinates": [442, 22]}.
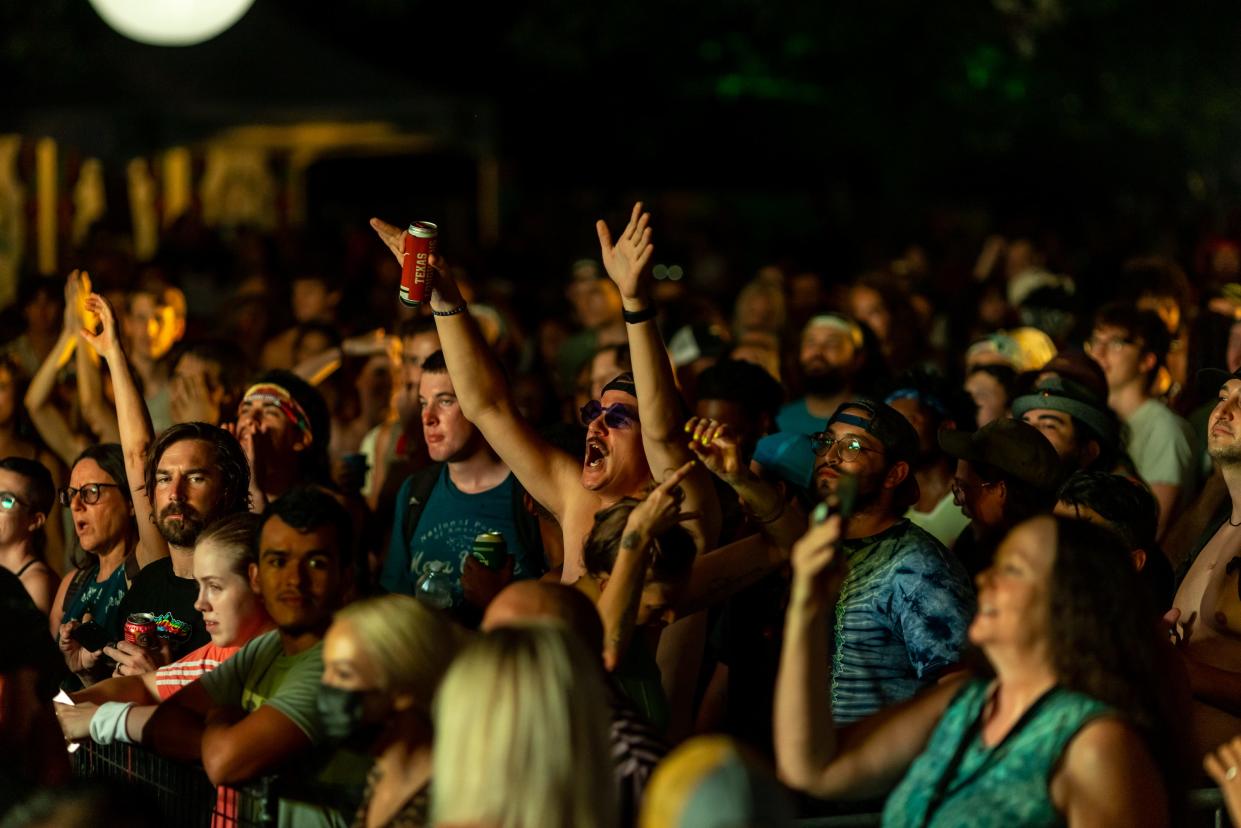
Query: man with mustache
{"type": "Point", "coordinates": [197, 474]}
{"type": "Point", "coordinates": [906, 601]}
{"type": "Point", "coordinates": [192, 474]}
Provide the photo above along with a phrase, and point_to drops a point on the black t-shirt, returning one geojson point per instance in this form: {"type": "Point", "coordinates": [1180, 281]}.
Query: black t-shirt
{"type": "Point", "coordinates": [170, 599]}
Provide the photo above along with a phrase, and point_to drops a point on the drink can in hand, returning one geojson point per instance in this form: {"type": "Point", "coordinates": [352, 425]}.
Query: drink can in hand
{"type": "Point", "coordinates": [420, 243]}
{"type": "Point", "coordinates": [489, 549]}
{"type": "Point", "coordinates": [140, 629]}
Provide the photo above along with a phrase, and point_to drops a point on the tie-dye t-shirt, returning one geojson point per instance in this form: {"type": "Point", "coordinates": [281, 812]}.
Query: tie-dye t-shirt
{"type": "Point", "coordinates": [901, 619]}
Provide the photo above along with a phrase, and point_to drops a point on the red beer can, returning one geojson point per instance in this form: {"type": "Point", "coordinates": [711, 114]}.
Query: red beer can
{"type": "Point", "coordinates": [140, 629]}
{"type": "Point", "coordinates": [419, 245]}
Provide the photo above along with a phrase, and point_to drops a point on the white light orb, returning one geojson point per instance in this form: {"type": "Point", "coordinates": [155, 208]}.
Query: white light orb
{"type": "Point", "coordinates": [171, 22]}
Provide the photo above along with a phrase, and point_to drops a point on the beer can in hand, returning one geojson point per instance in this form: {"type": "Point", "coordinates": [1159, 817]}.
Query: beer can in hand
{"type": "Point", "coordinates": [419, 245]}
{"type": "Point", "coordinates": [140, 629]}
{"type": "Point", "coordinates": [490, 550]}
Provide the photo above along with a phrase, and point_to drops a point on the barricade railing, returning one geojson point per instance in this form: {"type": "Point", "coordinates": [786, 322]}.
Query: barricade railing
{"type": "Point", "coordinates": [182, 793]}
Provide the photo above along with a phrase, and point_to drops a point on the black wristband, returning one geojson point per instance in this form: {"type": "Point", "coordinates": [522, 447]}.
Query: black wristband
{"type": "Point", "coordinates": [634, 317]}
{"type": "Point", "coordinates": [452, 312]}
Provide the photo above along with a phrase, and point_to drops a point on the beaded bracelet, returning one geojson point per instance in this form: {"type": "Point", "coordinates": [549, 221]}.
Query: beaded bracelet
{"type": "Point", "coordinates": [452, 312]}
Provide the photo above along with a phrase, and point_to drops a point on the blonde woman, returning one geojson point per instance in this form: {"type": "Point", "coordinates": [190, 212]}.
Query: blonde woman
{"type": "Point", "coordinates": [522, 735]}
{"type": "Point", "coordinates": [382, 661]}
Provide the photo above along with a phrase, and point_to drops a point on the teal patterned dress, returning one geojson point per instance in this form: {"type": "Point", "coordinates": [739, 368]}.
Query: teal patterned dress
{"type": "Point", "coordinates": [1006, 785]}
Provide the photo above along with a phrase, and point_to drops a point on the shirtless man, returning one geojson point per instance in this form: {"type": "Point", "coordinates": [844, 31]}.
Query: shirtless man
{"type": "Point", "coordinates": [627, 442]}
{"type": "Point", "coordinates": [1207, 606]}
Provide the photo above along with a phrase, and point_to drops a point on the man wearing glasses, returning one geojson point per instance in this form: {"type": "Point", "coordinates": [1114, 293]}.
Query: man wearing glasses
{"type": "Point", "coordinates": [1131, 346]}
{"type": "Point", "coordinates": [906, 602]}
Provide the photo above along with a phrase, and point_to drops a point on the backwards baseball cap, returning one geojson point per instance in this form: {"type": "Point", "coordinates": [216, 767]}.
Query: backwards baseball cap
{"type": "Point", "coordinates": [1017, 449]}
{"type": "Point", "coordinates": [787, 454]}
{"type": "Point", "coordinates": [884, 423]}
{"type": "Point", "coordinates": [1058, 393]}
{"type": "Point", "coordinates": [621, 382]}
{"type": "Point", "coordinates": [711, 782]}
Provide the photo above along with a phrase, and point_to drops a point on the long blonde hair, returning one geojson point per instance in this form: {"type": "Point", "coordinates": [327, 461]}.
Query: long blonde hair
{"type": "Point", "coordinates": [411, 645]}
{"type": "Point", "coordinates": [522, 741]}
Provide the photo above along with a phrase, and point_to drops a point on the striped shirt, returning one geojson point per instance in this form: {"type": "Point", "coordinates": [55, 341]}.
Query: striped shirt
{"type": "Point", "coordinates": [172, 677]}
{"type": "Point", "coordinates": [901, 619]}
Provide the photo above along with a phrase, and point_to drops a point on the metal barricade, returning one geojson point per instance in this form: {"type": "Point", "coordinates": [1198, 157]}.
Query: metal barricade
{"type": "Point", "coordinates": [182, 793]}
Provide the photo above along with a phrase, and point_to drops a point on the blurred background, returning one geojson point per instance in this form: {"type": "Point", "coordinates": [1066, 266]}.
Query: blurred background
{"type": "Point", "coordinates": [824, 137]}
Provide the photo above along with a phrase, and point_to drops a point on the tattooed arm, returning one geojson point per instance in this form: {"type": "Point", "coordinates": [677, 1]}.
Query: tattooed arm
{"type": "Point", "coordinates": [622, 593]}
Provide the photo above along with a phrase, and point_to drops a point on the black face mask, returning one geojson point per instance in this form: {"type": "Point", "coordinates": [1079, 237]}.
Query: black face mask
{"type": "Point", "coordinates": [343, 714]}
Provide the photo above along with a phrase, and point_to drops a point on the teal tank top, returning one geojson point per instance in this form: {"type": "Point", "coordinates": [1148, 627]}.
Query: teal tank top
{"type": "Point", "coordinates": [1006, 786]}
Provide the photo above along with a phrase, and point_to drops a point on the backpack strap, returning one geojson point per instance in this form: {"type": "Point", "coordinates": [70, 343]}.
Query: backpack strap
{"type": "Point", "coordinates": [527, 525]}
{"type": "Point", "coordinates": [421, 484]}
{"type": "Point", "coordinates": [75, 585]}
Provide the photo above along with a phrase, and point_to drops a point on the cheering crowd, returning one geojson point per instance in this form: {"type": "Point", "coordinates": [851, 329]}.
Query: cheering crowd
{"type": "Point", "coordinates": [842, 546]}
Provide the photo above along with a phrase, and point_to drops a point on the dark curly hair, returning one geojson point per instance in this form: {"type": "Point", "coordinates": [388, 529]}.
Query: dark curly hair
{"type": "Point", "coordinates": [1104, 643]}
{"type": "Point", "coordinates": [308, 508]}
{"type": "Point", "coordinates": [228, 458]}
{"type": "Point", "coordinates": [671, 560]}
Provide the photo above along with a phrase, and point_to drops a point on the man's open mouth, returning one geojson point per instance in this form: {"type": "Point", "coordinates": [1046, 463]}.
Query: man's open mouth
{"type": "Point", "coordinates": [595, 452]}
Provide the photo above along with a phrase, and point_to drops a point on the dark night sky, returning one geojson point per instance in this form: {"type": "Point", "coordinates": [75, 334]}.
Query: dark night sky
{"type": "Point", "coordinates": [1120, 118]}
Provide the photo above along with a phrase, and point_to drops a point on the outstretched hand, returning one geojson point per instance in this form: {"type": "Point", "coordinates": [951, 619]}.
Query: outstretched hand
{"type": "Point", "coordinates": [660, 510]}
{"type": "Point", "coordinates": [627, 261]}
{"type": "Point", "coordinates": [105, 342]}
{"type": "Point", "coordinates": [717, 446]}
{"type": "Point", "coordinates": [444, 290]}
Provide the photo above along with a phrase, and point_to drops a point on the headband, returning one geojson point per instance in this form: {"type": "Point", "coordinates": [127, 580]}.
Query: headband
{"type": "Point", "coordinates": [268, 393]}
{"type": "Point", "coordinates": [837, 322]}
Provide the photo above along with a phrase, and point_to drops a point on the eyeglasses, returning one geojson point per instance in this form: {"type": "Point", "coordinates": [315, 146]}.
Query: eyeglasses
{"type": "Point", "coordinates": [959, 485]}
{"type": "Point", "coordinates": [616, 415]}
{"type": "Point", "coordinates": [90, 493]}
{"type": "Point", "coordinates": [847, 447]}
{"type": "Point", "coordinates": [1110, 345]}
{"type": "Point", "coordinates": [8, 500]}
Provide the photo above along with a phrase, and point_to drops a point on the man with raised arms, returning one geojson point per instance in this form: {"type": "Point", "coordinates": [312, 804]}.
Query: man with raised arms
{"type": "Point", "coordinates": [634, 431]}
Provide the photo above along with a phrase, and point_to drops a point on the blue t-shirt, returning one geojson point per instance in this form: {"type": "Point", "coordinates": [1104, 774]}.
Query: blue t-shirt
{"type": "Point", "coordinates": [901, 618]}
{"type": "Point", "coordinates": [446, 529]}
{"type": "Point", "coordinates": [796, 417]}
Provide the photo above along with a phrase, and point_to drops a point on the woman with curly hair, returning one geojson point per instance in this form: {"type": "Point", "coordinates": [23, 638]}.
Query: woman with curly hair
{"type": "Point", "coordinates": [1067, 722]}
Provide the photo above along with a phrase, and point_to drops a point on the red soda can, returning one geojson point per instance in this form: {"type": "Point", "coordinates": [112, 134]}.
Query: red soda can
{"type": "Point", "coordinates": [419, 245]}
{"type": "Point", "coordinates": [140, 629]}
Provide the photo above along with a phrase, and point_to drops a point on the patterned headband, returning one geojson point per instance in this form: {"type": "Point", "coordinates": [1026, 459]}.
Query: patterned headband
{"type": "Point", "coordinates": [268, 393]}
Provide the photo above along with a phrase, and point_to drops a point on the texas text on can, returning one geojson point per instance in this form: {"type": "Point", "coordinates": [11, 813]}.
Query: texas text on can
{"type": "Point", "coordinates": [419, 245]}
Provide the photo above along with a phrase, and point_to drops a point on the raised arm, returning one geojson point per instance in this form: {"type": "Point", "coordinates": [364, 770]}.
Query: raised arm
{"type": "Point", "coordinates": [550, 475]}
{"type": "Point", "coordinates": [865, 759]}
{"type": "Point", "coordinates": [134, 422]}
{"type": "Point", "coordinates": [659, 404]}
{"type": "Point", "coordinates": [96, 413]}
{"type": "Point", "coordinates": [47, 420]}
